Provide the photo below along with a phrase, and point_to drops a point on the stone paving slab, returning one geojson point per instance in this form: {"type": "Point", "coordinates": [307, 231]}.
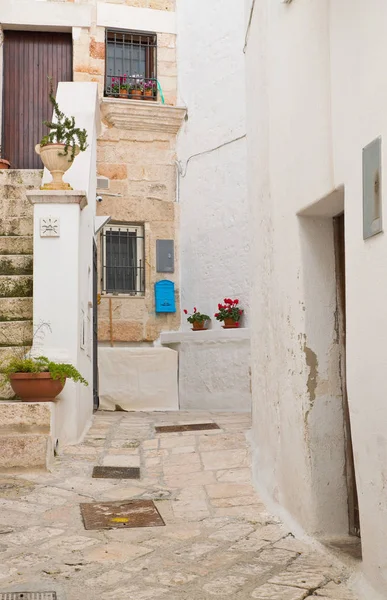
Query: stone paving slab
{"type": "Point", "coordinates": [219, 541]}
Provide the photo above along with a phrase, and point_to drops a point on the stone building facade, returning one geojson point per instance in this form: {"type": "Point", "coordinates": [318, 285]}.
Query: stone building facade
{"type": "Point", "coordinates": [136, 149]}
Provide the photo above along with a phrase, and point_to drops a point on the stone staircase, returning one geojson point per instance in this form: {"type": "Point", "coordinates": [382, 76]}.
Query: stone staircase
{"type": "Point", "coordinates": [26, 440]}
{"type": "Point", "coordinates": [16, 246]}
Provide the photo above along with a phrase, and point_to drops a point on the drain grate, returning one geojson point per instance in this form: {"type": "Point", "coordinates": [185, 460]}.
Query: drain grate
{"type": "Point", "coordinates": [116, 473]}
{"type": "Point", "coordinates": [28, 596]}
{"type": "Point", "coordinates": [121, 515]}
{"type": "Point", "coordinates": [181, 428]}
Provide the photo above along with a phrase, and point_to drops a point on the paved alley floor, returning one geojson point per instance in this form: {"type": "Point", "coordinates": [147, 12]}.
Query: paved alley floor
{"type": "Point", "coordinates": [218, 542]}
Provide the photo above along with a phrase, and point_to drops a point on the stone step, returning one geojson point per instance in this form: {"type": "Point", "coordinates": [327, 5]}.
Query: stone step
{"type": "Point", "coordinates": [15, 333]}
{"type": "Point", "coordinates": [15, 286]}
{"type": "Point", "coordinates": [16, 226]}
{"type": "Point", "coordinates": [28, 178]}
{"type": "Point", "coordinates": [25, 451]}
{"type": "Point", "coordinates": [10, 244]}
{"type": "Point", "coordinates": [25, 417]}
{"type": "Point", "coordinates": [6, 392]}
{"type": "Point", "coordinates": [12, 264]}
{"type": "Point", "coordinates": [7, 352]}
{"type": "Point", "coordinates": [13, 309]}
{"type": "Point", "coordinates": [14, 202]}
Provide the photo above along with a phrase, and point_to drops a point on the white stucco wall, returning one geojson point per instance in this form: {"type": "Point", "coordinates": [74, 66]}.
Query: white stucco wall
{"type": "Point", "coordinates": [315, 99]}
{"type": "Point", "coordinates": [214, 220]}
{"type": "Point", "coordinates": [63, 269]}
{"type": "Point", "coordinates": [212, 191]}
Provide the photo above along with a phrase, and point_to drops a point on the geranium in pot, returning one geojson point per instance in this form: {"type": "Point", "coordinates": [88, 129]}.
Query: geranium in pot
{"type": "Point", "coordinates": [197, 319]}
{"type": "Point", "coordinates": [39, 379]}
{"type": "Point", "coordinates": [229, 313]}
{"type": "Point", "coordinates": [59, 148]}
{"type": "Point", "coordinates": [136, 87]}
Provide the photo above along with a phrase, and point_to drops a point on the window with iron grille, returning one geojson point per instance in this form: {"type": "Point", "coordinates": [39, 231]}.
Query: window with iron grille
{"type": "Point", "coordinates": [131, 63]}
{"type": "Point", "coordinates": [123, 269]}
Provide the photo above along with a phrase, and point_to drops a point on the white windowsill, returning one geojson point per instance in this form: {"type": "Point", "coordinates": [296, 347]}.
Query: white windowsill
{"type": "Point", "coordinates": [210, 335]}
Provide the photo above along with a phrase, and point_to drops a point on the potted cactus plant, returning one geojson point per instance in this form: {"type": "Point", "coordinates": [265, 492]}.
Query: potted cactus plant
{"type": "Point", "coordinates": [59, 148]}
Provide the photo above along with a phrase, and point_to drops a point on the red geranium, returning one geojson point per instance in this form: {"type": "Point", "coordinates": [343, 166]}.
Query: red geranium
{"type": "Point", "coordinates": [229, 310]}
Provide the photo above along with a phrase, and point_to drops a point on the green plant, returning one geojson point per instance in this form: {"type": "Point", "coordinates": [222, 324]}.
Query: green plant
{"type": "Point", "coordinates": [23, 362]}
{"type": "Point", "coordinates": [196, 317]}
{"type": "Point", "coordinates": [42, 364]}
{"type": "Point", "coordinates": [229, 310]}
{"type": "Point", "coordinates": [63, 131]}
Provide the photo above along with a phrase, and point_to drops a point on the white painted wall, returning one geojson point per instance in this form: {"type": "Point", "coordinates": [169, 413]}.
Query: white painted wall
{"type": "Point", "coordinates": [29, 13]}
{"type": "Point", "coordinates": [212, 191]}
{"type": "Point", "coordinates": [63, 268]}
{"type": "Point", "coordinates": [315, 99]}
{"type": "Point", "coordinates": [214, 234]}
{"type": "Point", "coordinates": [133, 378]}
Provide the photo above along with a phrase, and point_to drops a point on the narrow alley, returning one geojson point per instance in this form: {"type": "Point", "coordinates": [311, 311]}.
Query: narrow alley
{"type": "Point", "coordinates": [218, 540]}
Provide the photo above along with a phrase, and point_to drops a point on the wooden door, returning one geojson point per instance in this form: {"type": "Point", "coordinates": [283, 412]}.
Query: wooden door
{"type": "Point", "coordinates": [353, 505]}
{"type": "Point", "coordinates": [30, 57]}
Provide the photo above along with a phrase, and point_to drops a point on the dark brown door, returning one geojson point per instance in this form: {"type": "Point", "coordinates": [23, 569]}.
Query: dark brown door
{"type": "Point", "coordinates": [353, 505]}
{"type": "Point", "coordinates": [30, 57]}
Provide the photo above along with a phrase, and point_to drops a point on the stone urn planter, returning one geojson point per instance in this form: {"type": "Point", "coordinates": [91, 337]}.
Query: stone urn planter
{"type": "Point", "coordinates": [57, 163]}
{"type": "Point", "coordinates": [4, 164]}
{"type": "Point", "coordinates": [36, 387]}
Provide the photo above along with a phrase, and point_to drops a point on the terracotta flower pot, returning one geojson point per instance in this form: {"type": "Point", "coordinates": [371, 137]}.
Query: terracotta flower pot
{"type": "Point", "coordinates": [230, 324]}
{"type": "Point", "coordinates": [4, 164]}
{"type": "Point", "coordinates": [148, 94]}
{"type": "Point", "coordinates": [36, 387]}
{"type": "Point", "coordinates": [57, 164]}
{"type": "Point", "coordinates": [123, 93]}
{"type": "Point", "coordinates": [136, 94]}
{"type": "Point", "coordinates": [199, 326]}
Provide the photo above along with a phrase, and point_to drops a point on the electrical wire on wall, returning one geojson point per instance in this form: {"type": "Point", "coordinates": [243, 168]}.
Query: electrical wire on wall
{"type": "Point", "coordinates": [249, 26]}
{"type": "Point", "coordinates": [182, 172]}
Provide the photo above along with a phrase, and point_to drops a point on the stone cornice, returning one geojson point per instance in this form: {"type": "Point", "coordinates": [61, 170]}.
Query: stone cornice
{"type": "Point", "coordinates": [57, 197]}
{"type": "Point", "coordinates": [142, 115]}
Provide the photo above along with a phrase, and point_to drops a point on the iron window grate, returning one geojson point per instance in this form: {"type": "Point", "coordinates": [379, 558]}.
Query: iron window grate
{"type": "Point", "coordinates": [123, 265]}
{"type": "Point", "coordinates": [131, 64]}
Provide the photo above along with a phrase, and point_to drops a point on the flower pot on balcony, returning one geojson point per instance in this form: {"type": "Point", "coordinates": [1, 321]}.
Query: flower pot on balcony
{"type": "Point", "coordinates": [57, 163]}
{"type": "Point", "coordinates": [4, 164]}
{"type": "Point", "coordinates": [199, 326]}
{"type": "Point", "coordinates": [123, 93]}
{"type": "Point", "coordinates": [36, 387]}
{"type": "Point", "coordinates": [148, 94]}
{"type": "Point", "coordinates": [136, 94]}
{"type": "Point", "coordinates": [230, 324]}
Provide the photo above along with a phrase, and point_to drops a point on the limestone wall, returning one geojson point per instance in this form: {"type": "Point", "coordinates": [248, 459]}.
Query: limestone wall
{"type": "Point", "coordinates": [138, 160]}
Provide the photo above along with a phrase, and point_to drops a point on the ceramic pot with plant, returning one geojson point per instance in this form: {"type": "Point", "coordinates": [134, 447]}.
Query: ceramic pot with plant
{"type": "Point", "coordinates": [198, 320]}
{"type": "Point", "coordinates": [137, 87]}
{"type": "Point", "coordinates": [39, 379]}
{"type": "Point", "coordinates": [4, 164]}
{"type": "Point", "coordinates": [150, 87]}
{"type": "Point", "coordinates": [229, 313]}
{"type": "Point", "coordinates": [59, 148]}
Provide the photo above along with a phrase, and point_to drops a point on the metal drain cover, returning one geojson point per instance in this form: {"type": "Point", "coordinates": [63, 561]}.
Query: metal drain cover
{"type": "Point", "coordinates": [117, 515]}
{"type": "Point", "coordinates": [181, 428]}
{"type": "Point", "coordinates": [116, 473]}
{"type": "Point", "coordinates": [28, 596]}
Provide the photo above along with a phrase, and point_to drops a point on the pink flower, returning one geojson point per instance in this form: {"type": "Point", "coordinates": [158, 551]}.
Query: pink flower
{"type": "Point", "coordinates": [237, 324]}
{"type": "Point", "coordinates": [195, 309]}
{"type": "Point", "coordinates": [185, 311]}
{"type": "Point", "coordinates": [220, 306]}
{"type": "Point", "coordinates": [236, 301]}
{"type": "Point", "coordinates": [216, 315]}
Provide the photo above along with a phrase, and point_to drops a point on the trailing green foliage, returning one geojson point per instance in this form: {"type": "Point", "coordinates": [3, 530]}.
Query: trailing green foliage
{"type": "Point", "coordinates": [63, 131]}
{"type": "Point", "coordinates": [42, 364]}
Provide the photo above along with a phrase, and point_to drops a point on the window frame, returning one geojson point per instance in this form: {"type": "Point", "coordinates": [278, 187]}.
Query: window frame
{"type": "Point", "coordinates": [150, 60]}
{"type": "Point", "coordinates": [139, 230]}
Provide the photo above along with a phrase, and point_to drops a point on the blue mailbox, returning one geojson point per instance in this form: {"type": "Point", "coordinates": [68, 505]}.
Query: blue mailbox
{"type": "Point", "coordinates": [165, 296]}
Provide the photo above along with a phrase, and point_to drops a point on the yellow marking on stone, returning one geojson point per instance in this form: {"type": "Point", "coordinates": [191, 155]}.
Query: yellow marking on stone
{"type": "Point", "coordinates": [120, 520]}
